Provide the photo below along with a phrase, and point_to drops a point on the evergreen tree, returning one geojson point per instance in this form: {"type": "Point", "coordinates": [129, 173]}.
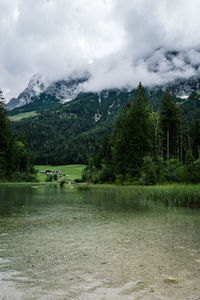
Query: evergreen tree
{"type": "Point", "coordinates": [132, 135]}
{"type": "Point", "coordinates": [195, 138]}
{"type": "Point", "coordinates": [120, 141]}
{"type": "Point", "coordinates": [14, 158]}
{"type": "Point", "coordinates": [156, 133]}
{"type": "Point", "coordinates": [170, 125]}
{"type": "Point", "coordinates": [104, 154]}
{"type": "Point", "coordinates": [6, 142]}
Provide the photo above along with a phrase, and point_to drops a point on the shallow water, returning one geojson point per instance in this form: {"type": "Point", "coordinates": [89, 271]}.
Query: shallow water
{"type": "Point", "coordinates": [69, 244]}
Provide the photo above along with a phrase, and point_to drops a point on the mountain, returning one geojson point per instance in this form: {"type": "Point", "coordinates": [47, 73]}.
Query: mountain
{"type": "Point", "coordinates": [38, 98]}
{"type": "Point", "coordinates": [41, 95]}
{"type": "Point", "coordinates": [34, 88]}
{"type": "Point", "coordinates": [73, 131]}
{"type": "Point", "coordinates": [44, 96]}
{"type": "Point", "coordinates": [63, 124]}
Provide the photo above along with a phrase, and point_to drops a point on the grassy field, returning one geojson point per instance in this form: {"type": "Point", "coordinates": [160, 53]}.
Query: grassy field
{"type": "Point", "coordinates": [21, 116]}
{"type": "Point", "coordinates": [70, 171]}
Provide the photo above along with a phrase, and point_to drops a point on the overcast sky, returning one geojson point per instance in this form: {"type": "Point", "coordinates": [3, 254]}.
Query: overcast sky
{"type": "Point", "coordinates": [115, 40]}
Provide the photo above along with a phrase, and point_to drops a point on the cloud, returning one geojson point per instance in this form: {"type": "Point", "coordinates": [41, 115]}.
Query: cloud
{"type": "Point", "coordinates": [119, 42]}
{"type": "Point", "coordinates": [152, 30]}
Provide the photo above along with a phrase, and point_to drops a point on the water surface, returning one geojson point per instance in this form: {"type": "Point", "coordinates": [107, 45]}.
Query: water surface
{"type": "Point", "coordinates": [69, 244]}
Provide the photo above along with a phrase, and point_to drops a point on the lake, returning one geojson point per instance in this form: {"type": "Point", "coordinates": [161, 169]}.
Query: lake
{"type": "Point", "coordinates": [70, 244]}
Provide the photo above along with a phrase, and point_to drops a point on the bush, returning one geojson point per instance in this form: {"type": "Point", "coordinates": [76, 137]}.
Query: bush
{"type": "Point", "coordinates": [129, 180]}
{"type": "Point", "coordinates": [30, 177]}
{"type": "Point", "coordinates": [77, 180]}
{"type": "Point", "coordinates": [119, 179]}
{"type": "Point", "coordinates": [126, 180]}
{"type": "Point", "coordinates": [148, 173]}
{"type": "Point", "coordinates": [62, 182]}
{"type": "Point", "coordinates": [55, 177]}
{"type": "Point", "coordinates": [158, 170]}
{"type": "Point", "coordinates": [89, 171]}
{"type": "Point", "coordinates": [23, 177]}
{"type": "Point", "coordinates": [191, 172]}
{"type": "Point", "coordinates": [106, 174]}
{"type": "Point", "coordinates": [49, 178]}
{"type": "Point", "coordinates": [153, 171]}
{"type": "Point", "coordinates": [174, 171]}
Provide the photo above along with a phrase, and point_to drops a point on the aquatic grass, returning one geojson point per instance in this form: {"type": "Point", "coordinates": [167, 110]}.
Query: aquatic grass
{"type": "Point", "coordinates": [83, 187]}
{"type": "Point", "coordinates": [170, 194]}
{"type": "Point", "coordinates": [174, 195]}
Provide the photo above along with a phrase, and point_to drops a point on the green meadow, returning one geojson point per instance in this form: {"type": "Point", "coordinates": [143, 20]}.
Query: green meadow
{"type": "Point", "coordinates": [69, 171]}
{"type": "Point", "coordinates": [21, 116]}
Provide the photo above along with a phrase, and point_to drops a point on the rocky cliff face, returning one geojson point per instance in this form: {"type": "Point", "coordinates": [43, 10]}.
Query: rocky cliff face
{"type": "Point", "coordinates": [62, 90]}
{"type": "Point", "coordinates": [175, 65]}
{"type": "Point", "coordinates": [34, 88]}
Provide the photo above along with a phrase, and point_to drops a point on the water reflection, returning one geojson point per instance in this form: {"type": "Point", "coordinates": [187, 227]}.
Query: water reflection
{"type": "Point", "coordinates": [67, 244]}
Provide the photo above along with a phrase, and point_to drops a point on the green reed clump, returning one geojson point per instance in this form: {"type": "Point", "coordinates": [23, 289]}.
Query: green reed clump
{"type": "Point", "coordinates": [83, 188]}
{"type": "Point", "coordinates": [170, 195]}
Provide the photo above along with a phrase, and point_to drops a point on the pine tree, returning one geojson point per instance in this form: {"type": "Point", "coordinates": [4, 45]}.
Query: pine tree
{"type": "Point", "coordinates": [132, 135]}
{"type": "Point", "coordinates": [14, 156]}
{"type": "Point", "coordinates": [140, 134]}
{"type": "Point", "coordinates": [104, 154]}
{"type": "Point", "coordinates": [120, 141]}
{"type": "Point", "coordinates": [6, 142]}
{"type": "Point", "coordinates": [170, 125]}
{"type": "Point", "coordinates": [195, 136]}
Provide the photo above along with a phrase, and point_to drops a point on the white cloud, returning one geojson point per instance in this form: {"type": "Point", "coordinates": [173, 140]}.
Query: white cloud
{"type": "Point", "coordinates": [114, 39]}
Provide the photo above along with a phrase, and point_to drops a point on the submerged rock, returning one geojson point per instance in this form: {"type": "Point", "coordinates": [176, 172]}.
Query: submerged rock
{"type": "Point", "coordinates": [171, 280]}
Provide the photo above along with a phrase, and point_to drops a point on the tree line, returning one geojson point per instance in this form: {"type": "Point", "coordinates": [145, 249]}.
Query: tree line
{"type": "Point", "coordinates": [148, 147]}
{"type": "Point", "coordinates": [15, 160]}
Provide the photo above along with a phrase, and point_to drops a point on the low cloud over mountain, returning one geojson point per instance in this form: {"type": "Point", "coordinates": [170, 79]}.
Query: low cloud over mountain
{"type": "Point", "coordinates": [118, 42]}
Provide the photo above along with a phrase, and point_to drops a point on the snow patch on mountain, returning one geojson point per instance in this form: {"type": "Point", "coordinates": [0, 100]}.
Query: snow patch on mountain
{"type": "Point", "coordinates": [179, 77]}
{"type": "Point", "coordinates": [184, 97]}
{"type": "Point", "coordinates": [63, 90]}
{"type": "Point", "coordinates": [97, 117]}
{"type": "Point", "coordinates": [34, 88]}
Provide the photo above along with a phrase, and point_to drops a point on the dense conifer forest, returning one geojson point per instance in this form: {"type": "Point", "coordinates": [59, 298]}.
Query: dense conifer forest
{"type": "Point", "coordinates": [137, 137]}
{"type": "Point", "coordinates": [15, 160]}
{"type": "Point", "coordinates": [147, 147]}
{"type": "Point", "coordinates": [73, 132]}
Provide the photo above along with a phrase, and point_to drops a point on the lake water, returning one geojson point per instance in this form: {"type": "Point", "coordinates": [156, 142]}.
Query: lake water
{"type": "Point", "coordinates": [70, 244]}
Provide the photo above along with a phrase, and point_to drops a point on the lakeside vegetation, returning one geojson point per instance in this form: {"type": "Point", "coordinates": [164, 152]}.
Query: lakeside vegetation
{"type": "Point", "coordinates": [145, 152]}
{"type": "Point", "coordinates": [15, 160]}
{"type": "Point", "coordinates": [178, 195]}
{"type": "Point", "coordinates": [72, 132]}
{"type": "Point", "coordinates": [148, 147]}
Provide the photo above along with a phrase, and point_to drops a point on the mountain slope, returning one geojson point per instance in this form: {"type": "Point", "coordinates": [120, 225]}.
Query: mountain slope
{"type": "Point", "coordinates": [70, 132]}
{"type": "Point", "coordinates": [39, 97]}
{"type": "Point", "coordinates": [164, 65]}
{"type": "Point", "coordinates": [73, 132]}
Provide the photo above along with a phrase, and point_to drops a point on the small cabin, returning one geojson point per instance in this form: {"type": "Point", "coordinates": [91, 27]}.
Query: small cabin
{"type": "Point", "coordinates": [48, 172]}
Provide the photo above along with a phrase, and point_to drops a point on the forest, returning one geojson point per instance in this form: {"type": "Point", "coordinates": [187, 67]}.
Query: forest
{"type": "Point", "coordinates": [15, 160]}
{"type": "Point", "coordinates": [150, 141]}
{"type": "Point", "coordinates": [73, 132]}
{"type": "Point", "coordinates": [148, 147]}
